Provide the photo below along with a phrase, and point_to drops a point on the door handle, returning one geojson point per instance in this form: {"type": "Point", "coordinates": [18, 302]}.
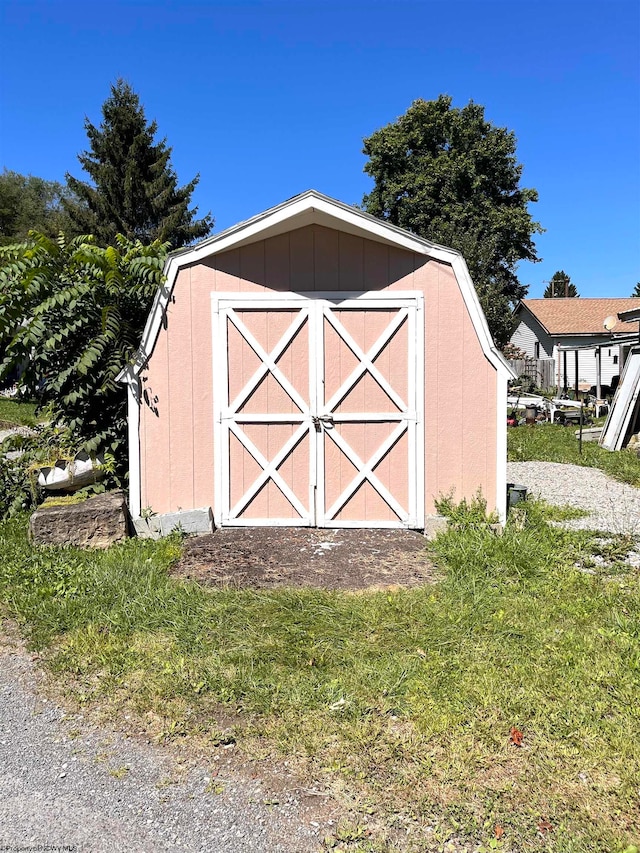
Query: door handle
{"type": "Point", "coordinates": [327, 420]}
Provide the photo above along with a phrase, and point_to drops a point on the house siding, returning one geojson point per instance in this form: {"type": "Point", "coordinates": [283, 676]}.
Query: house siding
{"type": "Point", "coordinates": [529, 332]}
{"type": "Point", "coordinates": [587, 360]}
{"type": "Point", "coordinates": [176, 422]}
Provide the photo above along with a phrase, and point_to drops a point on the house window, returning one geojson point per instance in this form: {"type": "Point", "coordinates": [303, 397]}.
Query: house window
{"type": "Point", "coordinates": [536, 349]}
{"type": "Point", "coordinates": [615, 359]}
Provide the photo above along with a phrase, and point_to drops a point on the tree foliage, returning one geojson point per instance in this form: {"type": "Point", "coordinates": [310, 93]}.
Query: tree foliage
{"type": "Point", "coordinates": [452, 177]}
{"type": "Point", "coordinates": [559, 285]}
{"type": "Point", "coordinates": [636, 290]}
{"type": "Point", "coordinates": [73, 314]}
{"type": "Point", "coordinates": [134, 189]}
{"type": "Point", "coordinates": [28, 202]}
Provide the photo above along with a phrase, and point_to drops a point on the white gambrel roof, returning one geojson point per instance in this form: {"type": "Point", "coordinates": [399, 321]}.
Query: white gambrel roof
{"type": "Point", "coordinates": [310, 208]}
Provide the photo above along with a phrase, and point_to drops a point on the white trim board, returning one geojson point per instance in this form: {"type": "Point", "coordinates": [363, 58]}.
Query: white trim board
{"type": "Point", "coordinates": [133, 434]}
{"type": "Point", "coordinates": [624, 405]}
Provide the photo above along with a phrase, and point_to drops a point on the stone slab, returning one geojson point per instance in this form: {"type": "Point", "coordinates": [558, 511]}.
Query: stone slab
{"type": "Point", "coordinates": [434, 524]}
{"type": "Point", "coordinates": [98, 522]}
{"type": "Point", "coordinates": [192, 521]}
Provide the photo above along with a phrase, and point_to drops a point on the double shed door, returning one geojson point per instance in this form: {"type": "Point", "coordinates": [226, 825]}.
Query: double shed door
{"type": "Point", "coordinates": [318, 404]}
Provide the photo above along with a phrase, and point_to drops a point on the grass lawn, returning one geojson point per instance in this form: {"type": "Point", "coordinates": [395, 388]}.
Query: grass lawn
{"type": "Point", "coordinates": [404, 701]}
{"type": "Point", "coordinates": [552, 443]}
{"type": "Point", "coordinates": [17, 412]}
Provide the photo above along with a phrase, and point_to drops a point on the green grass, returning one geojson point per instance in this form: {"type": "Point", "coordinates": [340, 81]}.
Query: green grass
{"type": "Point", "coordinates": [17, 412]}
{"type": "Point", "coordinates": [552, 443]}
{"type": "Point", "coordinates": [404, 700]}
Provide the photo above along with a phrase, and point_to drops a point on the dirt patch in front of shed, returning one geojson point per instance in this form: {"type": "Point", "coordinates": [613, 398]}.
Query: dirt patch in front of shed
{"type": "Point", "coordinates": [269, 557]}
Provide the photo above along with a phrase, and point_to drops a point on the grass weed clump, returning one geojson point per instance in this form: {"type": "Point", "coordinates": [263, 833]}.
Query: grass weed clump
{"type": "Point", "coordinates": [405, 698]}
{"type": "Point", "coordinates": [464, 514]}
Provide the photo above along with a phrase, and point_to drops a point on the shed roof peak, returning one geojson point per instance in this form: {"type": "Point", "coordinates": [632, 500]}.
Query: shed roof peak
{"type": "Point", "coordinates": [310, 208]}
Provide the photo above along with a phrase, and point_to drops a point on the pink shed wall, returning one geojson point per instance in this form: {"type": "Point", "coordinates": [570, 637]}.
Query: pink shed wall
{"type": "Point", "coordinates": [176, 422]}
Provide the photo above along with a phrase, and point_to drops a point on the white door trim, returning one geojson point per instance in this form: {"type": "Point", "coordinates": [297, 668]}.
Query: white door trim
{"type": "Point", "coordinates": [227, 417]}
{"type": "Point", "coordinates": [409, 420]}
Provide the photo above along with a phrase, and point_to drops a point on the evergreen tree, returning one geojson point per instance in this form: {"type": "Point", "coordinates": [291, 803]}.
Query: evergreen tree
{"type": "Point", "coordinates": [134, 189]}
{"type": "Point", "coordinates": [450, 176]}
{"type": "Point", "coordinates": [636, 291]}
{"type": "Point", "coordinates": [559, 286]}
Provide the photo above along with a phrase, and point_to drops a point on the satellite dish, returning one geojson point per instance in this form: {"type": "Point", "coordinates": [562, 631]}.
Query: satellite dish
{"type": "Point", "coordinates": [610, 322]}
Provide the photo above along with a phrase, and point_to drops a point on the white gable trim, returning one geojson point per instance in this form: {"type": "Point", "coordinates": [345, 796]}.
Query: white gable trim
{"type": "Point", "coordinates": [312, 208]}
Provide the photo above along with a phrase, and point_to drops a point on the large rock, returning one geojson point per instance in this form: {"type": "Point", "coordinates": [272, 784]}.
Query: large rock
{"type": "Point", "coordinates": [95, 523]}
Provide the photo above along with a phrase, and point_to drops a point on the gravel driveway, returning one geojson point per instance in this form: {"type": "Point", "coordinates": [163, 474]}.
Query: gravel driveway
{"type": "Point", "coordinates": [68, 785]}
{"type": "Point", "coordinates": [612, 506]}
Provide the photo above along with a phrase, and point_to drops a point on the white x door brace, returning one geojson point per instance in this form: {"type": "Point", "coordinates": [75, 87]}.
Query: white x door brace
{"type": "Point", "coordinates": [314, 420]}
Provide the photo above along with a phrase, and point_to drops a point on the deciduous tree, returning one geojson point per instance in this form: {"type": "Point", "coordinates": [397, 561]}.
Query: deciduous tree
{"type": "Point", "coordinates": [72, 314]}
{"type": "Point", "coordinates": [452, 177]}
{"type": "Point", "coordinates": [134, 189]}
{"type": "Point", "coordinates": [27, 202]}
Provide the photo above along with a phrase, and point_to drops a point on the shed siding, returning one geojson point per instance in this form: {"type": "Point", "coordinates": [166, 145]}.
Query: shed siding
{"type": "Point", "coordinates": [176, 422]}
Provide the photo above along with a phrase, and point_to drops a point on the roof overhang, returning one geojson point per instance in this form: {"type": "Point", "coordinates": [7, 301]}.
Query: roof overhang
{"type": "Point", "coordinates": [629, 316]}
{"type": "Point", "coordinates": [607, 335]}
{"type": "Point", "coordinates": [310, 208]}
{"type": "Point", "coordinates": [620, 340]}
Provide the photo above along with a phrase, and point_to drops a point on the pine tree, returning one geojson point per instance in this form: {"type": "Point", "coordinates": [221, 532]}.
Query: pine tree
{"type": "Point", "coordinates": [134, 189]}
{"type": "Point", "coordinates": [636, 290]}
{"type": "Point", "coordinates": [559, 285]}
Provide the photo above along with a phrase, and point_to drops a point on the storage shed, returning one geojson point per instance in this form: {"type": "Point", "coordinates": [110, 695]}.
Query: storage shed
{"type": "Point", "coordinates": [316, 366]}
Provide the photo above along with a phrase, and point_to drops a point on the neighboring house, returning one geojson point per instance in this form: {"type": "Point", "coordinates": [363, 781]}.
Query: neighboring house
{"type": "Point", "coordinates": [315, 366]}
{"type": "Point", "coordinates": [546, 324]}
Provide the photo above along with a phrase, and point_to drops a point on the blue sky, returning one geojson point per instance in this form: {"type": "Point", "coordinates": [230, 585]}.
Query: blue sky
{"type": "Point", "coordinates": [267, 99]}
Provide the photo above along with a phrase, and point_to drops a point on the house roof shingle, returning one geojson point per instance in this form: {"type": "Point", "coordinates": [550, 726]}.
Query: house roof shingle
{"type": "Point", "coordinates": [577, 315]}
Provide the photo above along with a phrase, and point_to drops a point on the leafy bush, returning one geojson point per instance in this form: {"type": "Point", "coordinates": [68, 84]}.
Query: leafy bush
{"type": "Point", "coordinates": [16, 493]}
{"type": "Point", "coordinates": [513, 352]}
{"type": "Point", "coordinates": [72, 314]}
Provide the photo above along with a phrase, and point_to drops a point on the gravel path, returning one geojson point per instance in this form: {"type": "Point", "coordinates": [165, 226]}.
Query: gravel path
{"type": "Point", "coordinates": [18, 430]}
{"type": "Point", "coordinates": [612, 506]}
{"type": "Point", "coordinates": [65, 782]}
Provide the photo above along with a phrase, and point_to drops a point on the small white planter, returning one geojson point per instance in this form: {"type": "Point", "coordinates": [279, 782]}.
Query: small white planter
{"type": "Point", "coordinates": [68, 475]}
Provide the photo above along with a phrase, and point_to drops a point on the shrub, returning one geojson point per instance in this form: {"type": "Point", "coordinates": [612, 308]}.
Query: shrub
{"type": "Point", "coordinates": [73, 313]}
